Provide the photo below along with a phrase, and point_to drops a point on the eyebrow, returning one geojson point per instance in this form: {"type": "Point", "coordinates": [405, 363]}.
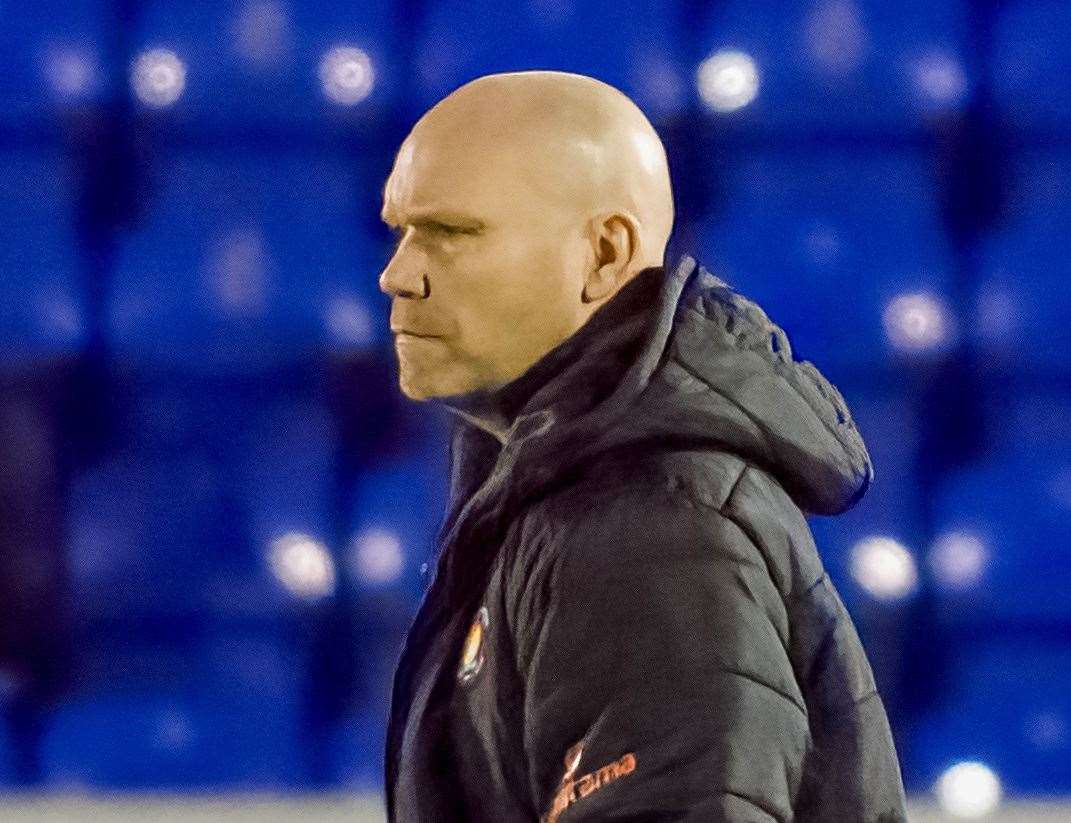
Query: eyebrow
{"type": "Point", "coordinates": [426, 216]}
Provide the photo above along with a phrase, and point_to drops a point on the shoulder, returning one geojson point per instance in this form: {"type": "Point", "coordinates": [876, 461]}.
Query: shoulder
{"type": "Point", "coordinates": [700, 505]}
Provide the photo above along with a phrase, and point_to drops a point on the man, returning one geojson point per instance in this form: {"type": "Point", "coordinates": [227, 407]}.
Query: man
{"type": "Point", "coordinates": [629, 620]}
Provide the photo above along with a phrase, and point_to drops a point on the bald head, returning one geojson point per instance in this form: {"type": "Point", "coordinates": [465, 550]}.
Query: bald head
{"type": "Point", "coordinates": [572, 140]}
{"type": "Point", "coordinates": [523, 202]}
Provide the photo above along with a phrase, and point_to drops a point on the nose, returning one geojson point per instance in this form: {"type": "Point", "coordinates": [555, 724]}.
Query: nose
{"type": "Point", "coordinates": [404, 278]}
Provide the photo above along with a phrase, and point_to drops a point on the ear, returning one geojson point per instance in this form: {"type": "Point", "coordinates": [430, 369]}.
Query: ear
{"type": "Point", "coordinates": [615, 240]}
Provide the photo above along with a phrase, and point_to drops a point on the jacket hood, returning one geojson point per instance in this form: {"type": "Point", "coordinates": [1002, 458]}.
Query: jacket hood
{"type": "Point", "coordinates": [674, 359]}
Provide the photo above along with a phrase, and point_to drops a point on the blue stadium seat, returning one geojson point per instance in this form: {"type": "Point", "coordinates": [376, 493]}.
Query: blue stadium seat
{"type": "Point", "coordinates": [41, 310]}
{"type": "Point", "coordinates": [259, 61]}
{"type": "Point", "coordinates": [159, 536]}
{"type": "Point", "coordinates": [284, 470]}
{"type": "Point", "coordinates": [358, 745]}
{"type": "Point", "coordinates": [1031, 63]}
{"type": "Point", "coordinates": [7, 756]}
{"type": "Point", "coordinates": [1005, 704]}
{"type": "Point", "coordinates": [241, 261]}
{"type": "Point", "coordinates": [1013, 510]}
{"type": "Point", "coordinates": [844, 63]}
{"type": "Point", "coordinates": [1024, 298]}
{"type": "Point", "coordinates": [395, 511]}
{"type": "Point", "coordinates": [1021, 418]}
{"type": "Point", "coordinates": [826, 244]}
{"type": "Point", "coordinates": [53, 57]}
{"type": "Point", "coordinates": [890, 507]}
{"type": "Point", "coordinates": [460, 41]}
{"type": "Point", "coordinates": [229, 721]}
{"type": "Point", "coordinates": [185, 518]}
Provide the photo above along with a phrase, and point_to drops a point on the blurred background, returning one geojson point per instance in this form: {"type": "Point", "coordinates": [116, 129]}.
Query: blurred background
{"type": "Point", "coordinates": [216, 509]}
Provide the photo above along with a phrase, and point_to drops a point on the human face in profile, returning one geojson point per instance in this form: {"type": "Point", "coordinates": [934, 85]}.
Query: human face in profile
{"type": "Point", "coordinates": [485, 276]}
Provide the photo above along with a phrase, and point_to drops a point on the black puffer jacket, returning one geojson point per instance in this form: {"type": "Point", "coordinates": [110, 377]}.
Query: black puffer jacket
{"type": "Point", "coordinates": [629, 620]}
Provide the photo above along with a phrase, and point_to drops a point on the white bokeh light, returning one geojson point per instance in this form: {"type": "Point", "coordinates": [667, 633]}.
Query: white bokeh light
{"type": "Point", "coordinates": [174, 730]}
{"type": "Point", "coordinates": [916, 322]}
{"type": "Point", "coordinates": [1047, 730]}
{"type": "Point", "coordinates": [939, 80]}
{"type": "Point", "coordinates": [262, 33]}
{"type": "Point", "coordinates": [348, 321]}
{"type": "Point", "coordinates": [727, 80]}
{"type": "Point", "coordinates": [71, 73]}
{"type": "Point", "coordinates": [834, 37]}
{"type": "Point", "coordinates": [884, 568]}
{"type": "Point", "coordinates": [377, 556]}
{"type": "Point", "coordinates": [303, 565]}
{"type": "Point", "coordinates": [346, 75]}
{"type": "Point", "coordinates": [158, 77]}
{"type": "Point", "coordinates": [237, 272]}
{"type": "Point", "coordinates": [969, 789]}
{"type": "Point", "coordinates": [998, 315]}
{"type": "Point", "coordinates": [958, 559]}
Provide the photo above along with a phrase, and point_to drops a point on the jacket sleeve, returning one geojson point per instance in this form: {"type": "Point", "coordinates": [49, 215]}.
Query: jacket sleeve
{"type": "Point", "coordinates": [658, 685]}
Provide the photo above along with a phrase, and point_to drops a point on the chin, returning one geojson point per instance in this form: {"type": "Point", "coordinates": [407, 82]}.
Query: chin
{"type": "Point", "coordinates": [418, 389]}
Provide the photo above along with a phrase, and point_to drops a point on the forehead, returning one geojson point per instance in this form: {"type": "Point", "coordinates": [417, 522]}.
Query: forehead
{"type": "Point", "coordinates": [462, 179]}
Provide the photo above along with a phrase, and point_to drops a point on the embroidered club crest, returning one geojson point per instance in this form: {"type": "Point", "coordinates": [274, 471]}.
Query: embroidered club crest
{"type": "Point", "coordinates": [472, 655]}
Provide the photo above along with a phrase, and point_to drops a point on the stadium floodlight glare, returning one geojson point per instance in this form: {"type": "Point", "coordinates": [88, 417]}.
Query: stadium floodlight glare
{"type": "Point", "coordinates": [916, 322]}
{"type": "Point", "coordinates": [958, 559]}
{"type": "Point", "coordinates": [884, 568]}
{"type": "Point", "coordinates": [377, 556]}
{"type": "Point", "coordinates": [158, 77]}
{"type": "Point", "coordinates": [346, 75]}
{"type": "Point", "coordinates": [303, 565]}
{"type": "Point", "coordinates": [727, 80]}
{"type": "Point", "coordinates": [969, 789]}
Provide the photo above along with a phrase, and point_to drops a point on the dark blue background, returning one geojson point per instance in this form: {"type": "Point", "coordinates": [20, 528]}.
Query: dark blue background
{"type": "Point", "coordinates": [197, 375]}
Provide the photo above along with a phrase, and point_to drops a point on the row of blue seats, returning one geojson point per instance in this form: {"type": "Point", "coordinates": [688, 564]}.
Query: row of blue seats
{"type": "Point", "coordinates": [994, 522]}
{"type": "Point", "coordinates": [189, 512]}
{"type": "Point", "coordinates": [820, 62]}
{"type": "Point", "coordinates": [1005, 704]}
{"type": "Point", "coordinates": [221, 506]}
{"type": "Point", "coordinates": [251, 259]}
{"type": "Point", "coordinates": [234, 720]}
{"type": "Point", "coordinates": [230, 713]}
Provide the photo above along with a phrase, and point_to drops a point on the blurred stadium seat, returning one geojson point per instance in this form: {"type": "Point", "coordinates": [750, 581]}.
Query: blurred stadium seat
{"type": "Point", "coordinates": [1002, 530]}
{"type": "Point", "coordinates": [187, 519]}
{"type": "Point", "coordinates": [1025, 281]}
{"type": "Point", "coordinates": [357, 749]}
{"type": "Point", "coordinates": [40, 301]}
{"type": "Point", "coordinates": [53, 57]}
{"type": "Point", "coordinates": [844, 63]}
{"type": "Point", "coordinates": [459, 41]}
{"type": "Point", "coordinates": [263, 61]}
{"type": "Point", "coordinates": [7, 754]}
{"type": "Point", "coordinates": [246, 262]}
{"type": "Point", "coordinates": [827, 244]}
{"type": "Point", "coordinates": [1005, 705]}
{"type": "Point", "coordinates": [228, 720]}
{"type": "Point", "coordinates": [160, 536]}
{"type": "Point", "coordinates": [395, 510]}
{"type": "Point", "coordinates": [1031, 63]}
{"type": "Point", "coordinates": [890, 507]}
